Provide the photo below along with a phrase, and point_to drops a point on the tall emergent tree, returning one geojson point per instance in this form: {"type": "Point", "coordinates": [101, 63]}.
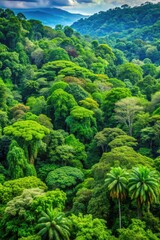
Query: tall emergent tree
{"type": "Point", "coordinates": [117, 185]}
{"type": "Point", "coordinates": [53, 225]}
{"type": "Point", "coordinates": [29, 135]}
{"type": "Point", "coordinates": [126, 111]}
{"type": "Point", "coordinates": [143, 187]}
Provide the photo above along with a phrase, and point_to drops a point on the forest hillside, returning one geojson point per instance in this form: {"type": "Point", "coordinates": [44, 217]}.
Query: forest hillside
{"type": "Point", "coordinates": [142, 21]}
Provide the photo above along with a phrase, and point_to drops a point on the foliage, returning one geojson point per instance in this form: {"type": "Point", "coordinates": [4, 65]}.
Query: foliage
{"type": "Point", "coordinates": [111, 98]}
{"type": "Point", "coordinates": [53, 225]}
{"type": "Point", "coordinates": [29, 135]}
{"type": "Point", "coordinates": [15, 187]}
{"type": "Point", "coordinates": [60, 105]}
{"type": "Point", "coordinates": [137, 231]}
{"type": "Point", "coordinates": [82, 123]}
{"type": "Point", "coordinates": [92, 92]}
{"type": "Point", "coordinates": [18, 165]}
{"type": "Point", "coordinates": [126, 110]}
{"type": "Point", "coordinates": [64, 177]}
{"type": "Point", "coordinates": [85, 228]}
{"type": "Point", "coordinates": [22, 212]}
{"type": "Point", "coordinates": [116, 182]}
{"type": "Point", "coordinates": [55, 198]}
{"type": "Point", "coordinates": [143, 186]}
{"type": "Point", "coordinates": [120, 156]}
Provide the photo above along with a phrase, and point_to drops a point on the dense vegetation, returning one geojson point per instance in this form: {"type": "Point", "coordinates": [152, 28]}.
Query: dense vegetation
{"type": "Point", "coordinates": [133, 30]}
{"type": "Point", "coordinates": [120, 19]}
{"type": "Point", "coordinates": [79, 137]}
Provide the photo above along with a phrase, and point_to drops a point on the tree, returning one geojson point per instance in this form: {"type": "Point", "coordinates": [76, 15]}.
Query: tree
{"type": "Point", "coordinates": [124, 156]}
{"type": "Point", "coordinates": [123, 140]}
{"type": "Point", "coordinates": [64, 177]}
{"type": "Point", "coordinates": [116, 182]}
{"type": "Point", "coordinates": [3, 119]}
{"type": "Point", "coordinates": [143, 187]}
{"type": "Point", "coordinates": [54, 225]}
{"type": "Point", "coordinates": [3, 94]}
{"type": "Point", "coordinates": [18, 164]}
{"type": "Point", "coordinates": [131, 72]}
{"type": "Point", "coordinates": [87, 228]}
{"type": "Point", "coordinates": [104, 51]}
{"type": "Point", "coordinates": [77, 91]}
{"type": "Point", "coordinates": [155, 101]}
{"type": "Point", "coordinates": [60, 103]}
{"type": "Point", "coordinates": [136, 231]}
{"type": "Point", "coordinates": [30, 87]}
{"type": "Point", "coordinates": [148, 86]}
{"type": "Point", "coordinates": [22, 212]}
{"type": "Point", "coordinates": [13, 188]}
{"type": "Point", "coordinates": [56, 54]}
{"type": "Point", "coordinates": [37, 105]}
{"type": "Point", "coordinates": [111, 98]}
{"type": "Point", "coordinates": [17, 111]}
{"type": "Point", "coordinates": [68, 31]}
{"type": "Point", "coordinates": [107, 135]}
{"type": "Point", "coordinates": [82, 123]}
{"type": "Point", "coordinates": [21, 16]}
{"type": "Point", "coordinates": [37, 57]}
{"type": "Point", "coordinates": [29, 135]}
{"type": "Point", "coordinates": [126, 110]}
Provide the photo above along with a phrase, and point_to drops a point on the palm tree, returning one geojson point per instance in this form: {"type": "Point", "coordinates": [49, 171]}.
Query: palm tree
{"type": "Point", "coordinates": [53, 225]}
{"type": "Point", "coordinates": [117, 185]}
{"type": "Point", "coordinates": [143, 187]}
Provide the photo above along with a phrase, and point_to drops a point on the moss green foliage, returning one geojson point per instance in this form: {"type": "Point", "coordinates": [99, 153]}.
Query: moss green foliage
{"type": "Point", "coordinates": [80, 127]}
{"type": "Point", "coordinates": [22, 212]}
{"type": "Point", "coordinates": [60, 103]}
{"type": "Point", "coordinates": [82, 123]}
{"type": "Point", "coordinates": [15, 187]}
{"type": "Point", "coordinates": [33, 237]}
{"type": "Point", "coordinates": [64, 177]}
{"type": "Point", "coordinates": [136, 230]}
{"type": "Point", "coordinates": [111, 98]}
{"type": "Point", "coordinates": [29, 135]}
{"type": "Point", "coordinates": [85, 227]}
{"type": "Point", "coordinates": [18, 165]}
{"type": "Point", "coordinates": [126, 156]}
{"type": "Point", "coordinates": [55, 198]}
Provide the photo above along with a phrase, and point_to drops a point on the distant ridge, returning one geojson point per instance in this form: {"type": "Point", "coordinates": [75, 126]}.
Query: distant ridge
{"type": "Point", "coordinates": [120, 21]}
{"type": "Point", "coordinates": [50, 16]}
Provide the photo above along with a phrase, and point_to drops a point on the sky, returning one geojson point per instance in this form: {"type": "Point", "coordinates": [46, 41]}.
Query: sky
{"type": "Point", "coordinates": [74, 6]}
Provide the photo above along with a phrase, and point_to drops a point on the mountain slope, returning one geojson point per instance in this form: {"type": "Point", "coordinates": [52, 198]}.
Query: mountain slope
{"type": "Point", "coordinates": [50, 16]}
{"type": "Point", "coordinates": [119, 19]}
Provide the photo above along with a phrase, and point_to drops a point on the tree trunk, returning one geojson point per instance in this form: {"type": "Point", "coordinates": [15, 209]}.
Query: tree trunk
{"type": "Point", "coordinates": [120, 217]}
{"type": "Point", "coordinates": [30, 155]}
{"type": "Point", "coordinates": [31, 160]}
{"type": "Point", "coordinates": [139, 210]}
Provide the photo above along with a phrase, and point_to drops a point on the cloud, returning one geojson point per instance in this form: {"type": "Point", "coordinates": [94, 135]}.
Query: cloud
{"type": "Point", "coordinates": [84, 1]}
{"type": "Point", "coordinates": [36, 3]}
{"type": "Point", "coordinates": [87, 6]}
